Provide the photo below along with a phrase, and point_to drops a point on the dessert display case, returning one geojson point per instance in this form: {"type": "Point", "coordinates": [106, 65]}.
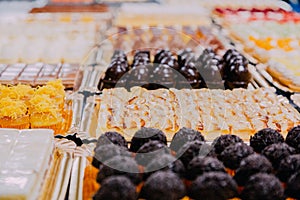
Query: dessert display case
{"type": "Point", "coordinates": [112, 101]}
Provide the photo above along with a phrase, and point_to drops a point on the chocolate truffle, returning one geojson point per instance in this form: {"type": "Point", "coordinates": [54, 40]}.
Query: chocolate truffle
{"type": "Point", "coordinates": [192, 149]}
{"type": "Point", "coordinates": [150, 150]}
{"type": "Point", "coordinates": [120, 165]}
{"type": "Point", "coordinates": [163, 185]}
{"type": "Point", "coordinates": [119, 55]}
{"type": "Point", "coordinates": [183, 136]}
{"type": "Point", "coordinates": [251, 165]}
{"type": "Point", "coordinates": [112, 138]}
{"type": "Point", "coordinates": [293, 138]}
{"type": "Point", "coordinates": [223, 141]}
{"type": "Point", "coordinates": [141, 58]}
{"type": "Point", "coordinates": [115, 188]}
{"type": "Point", "coordinates": [185, 56]}
{"type": "Point", "coordinates": [234, 154]}
{"type": "Point", "coordinates": [263, 186]}
{"type": "Point", "coordinates": [201, 164]}
{"type": "Point", "coordinates": [276, 152]}
{"type": "Point", "coordinates": [293, 186]}
{"type": "Point", "coordinates": [145, 135]}
{"type": "Point", "coordinates": [288, 166]}
{"type": "Point", "coordinates": [165, 162]}
{"type": "Point", "coordinates": [106, 152]}
{"type": "Point", "coordinates": [213, 185]}
{"type": "Point", "coordinates": [264, 138]}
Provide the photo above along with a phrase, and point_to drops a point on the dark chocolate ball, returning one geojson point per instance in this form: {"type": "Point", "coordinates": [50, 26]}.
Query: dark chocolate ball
{"type": "Point", "coordinates": [183, 136]}
{"type": "Point", "coordinates": [115, 188]}
{"type": "Point", "coordinates": [145, 135]}
{"type": "Point", "coordinates": [223, 141]}
{"type": "Point", "coordinates": [163, 185]}
{"type": "Point", "coordinates": [263, 186]}
{"type": "Point", "coordinates": [192, 149]}
{"type": "Point", "coordinates": [161, 54]}
{"type": "Point", "coordinates": [264, 138]}
{"type": "Point", "coordinates": [234, 154]}
{"type": "Point", "coordinates": [163, 163]}
{"type": "Point", "coordinates": [293, 138]}
{"type": "Point", "coordinates": [251, 165]}
{"type": "Point", "coordinates": [213, 185]}
{"type": "Point", "coordinates": [277, 152]}
{"type": "Point", "coordinates": [120, 165]}
{"type": "Point", "coordinates": [293, 186]}
{"type": "Point", "coordinates": [105, 152]}
{"type": "Point", "coordinates": [288, 166]}
{"type": "Point", "coordinates": [201, 164]}
{"type": "Point", "coordinates": [149, 151]}
{"type": "Point", "coordinates": [112, 138]}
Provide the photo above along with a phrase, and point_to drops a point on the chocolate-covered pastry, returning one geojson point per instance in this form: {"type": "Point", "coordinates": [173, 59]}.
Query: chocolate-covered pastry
{"type": "Point", "coordinates": [163, 185]}
{"type": "Point", "coordinates": [223, 141]}
{"type": "Point", "coordinates": [165, 162]}
{"type": "Point", "coordinates": [120, 165]}
{"type": "Point", "coordinates": [251, 165]}
{"type": "Point", "coordinates": [234, 154]}
{"type": "Point", "coordinates": [161, 54]}
{"type": "Point", "coordinates": [213, 185]}
{"type": "Point", "coordinates": [293, 138]}
{"type": "Point", "coordinates": [139, 75]}
{"type": "Point", "coordinates": [264, 138]}
{"type": "Point", "coordinates": [192, 77]}
{"type": "Point", "coordinates": [209, 65]}
{"type": "Point", "coordinates": [145, 135]}
{"type": "Point", "coordinates": [288, 166]}
{"type": "Point", "coordinates": [263, 186]}
{"type": "Point", "coordinates": [185, 56]}
{"type": "Point", "coordinates": [201, 165]}
{"type": "Point", "coordinates": [277, 152]}
{"type": "Point", "coordinates": [293, 186]}
{"type": "Point", "coordinates": [115, 188]}
{"type": "Point", "coordinates": [235, 70]}
{"type": "Point", "coordinates": [141, 58]}
{"type": "Point", "coordinates": [106, 152]}
{"type": "Point", "coordinates": [164, 76]}
{"type": "Point", "coordinates": [112, 137]}
{"type": "Point", "coordinates": [149, 151]}
{"type": "Point", "coordinates": [183, 136]}
{"type": "Point", "coordinates": [115, 71]}
{"type": "Point", "coordinates": [192, 149]}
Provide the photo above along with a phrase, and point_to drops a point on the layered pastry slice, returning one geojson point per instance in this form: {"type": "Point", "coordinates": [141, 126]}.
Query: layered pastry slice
{"type": "Point", "coordinates": [212, 112]}
{"type": "Point", "coordinates": [24, 162]}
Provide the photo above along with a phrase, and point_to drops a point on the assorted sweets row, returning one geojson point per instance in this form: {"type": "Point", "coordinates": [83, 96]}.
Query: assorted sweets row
{"type": "Point", "coordinates": [211, 111]}
{"type": "Point", "coordinates": [39, 74]}
{"type": "Point", "coordinates": [167, 69]}
{"type": "Point", "coordinates": [158, 37]}
{"type": "Point", "coordinates": [190, 168]}
{"type": "Point", "coordinates": [25, 166]}
{"type": "Point", "coordinates": [273, 41]}
{"type": "Point", "coordinates": [22, 107]}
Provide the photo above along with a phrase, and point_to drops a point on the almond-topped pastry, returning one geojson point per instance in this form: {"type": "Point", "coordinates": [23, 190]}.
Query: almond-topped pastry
{"type": "Point", "coordinates": [13, 114]}
{"type": "Point", "coordinates": [213, 112]}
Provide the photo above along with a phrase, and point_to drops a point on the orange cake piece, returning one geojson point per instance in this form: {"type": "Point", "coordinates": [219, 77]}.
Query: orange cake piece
{"type": "Point", "coordinates": [44, 113]}
{"type": "Point", "coordinates": [13, 114]}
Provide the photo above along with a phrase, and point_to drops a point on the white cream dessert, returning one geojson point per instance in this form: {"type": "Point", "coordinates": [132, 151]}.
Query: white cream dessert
{"type": "Point", "coordinates": [25, 159]}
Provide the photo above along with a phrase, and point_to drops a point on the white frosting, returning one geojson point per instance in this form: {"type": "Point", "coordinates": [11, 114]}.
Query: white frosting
{"type": "Point", "coordinates": [24, 161]}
